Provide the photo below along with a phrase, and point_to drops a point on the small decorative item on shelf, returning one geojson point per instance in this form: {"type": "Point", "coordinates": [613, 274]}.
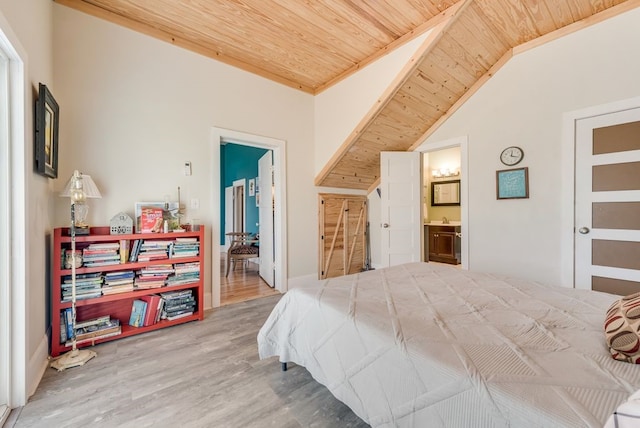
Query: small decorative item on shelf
{"type": "Point", "coordinates": [69, 259]}
{"type": "Point", "coordinates": [121, 224]}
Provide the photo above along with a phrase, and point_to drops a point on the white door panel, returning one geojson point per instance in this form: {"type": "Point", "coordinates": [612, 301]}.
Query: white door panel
{"type": "Point", "coordinates": [266, 225]}
{"type": "Point", "coordinates": [585, 234]}
{"type": "Point", "coordinates": [401, 216]}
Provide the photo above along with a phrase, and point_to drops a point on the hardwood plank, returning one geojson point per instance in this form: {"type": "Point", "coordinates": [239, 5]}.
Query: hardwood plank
{"type": "Point", "coordinates": [200, 374]}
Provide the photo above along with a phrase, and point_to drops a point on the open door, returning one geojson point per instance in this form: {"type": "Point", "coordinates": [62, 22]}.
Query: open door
{"type": "Point", "coordinates": [265, 216]}
{"type": "Point", "coordinates": [400, 201]}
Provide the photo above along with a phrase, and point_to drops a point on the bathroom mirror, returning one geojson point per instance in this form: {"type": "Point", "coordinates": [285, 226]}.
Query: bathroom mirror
{"type": "Point", "coordinates": [445, 193]}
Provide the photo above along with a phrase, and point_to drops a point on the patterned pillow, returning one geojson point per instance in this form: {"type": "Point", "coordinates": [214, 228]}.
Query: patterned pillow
{"type": "Point", "coordinates": [622, 327]}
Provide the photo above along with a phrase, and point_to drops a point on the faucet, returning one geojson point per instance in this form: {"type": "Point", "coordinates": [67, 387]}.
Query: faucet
{"type": "Point", "coordinates": [445, 220]}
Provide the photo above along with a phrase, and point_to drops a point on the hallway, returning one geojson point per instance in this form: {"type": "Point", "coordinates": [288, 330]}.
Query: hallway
{"type": "Point", "coordinates": [242, 284]}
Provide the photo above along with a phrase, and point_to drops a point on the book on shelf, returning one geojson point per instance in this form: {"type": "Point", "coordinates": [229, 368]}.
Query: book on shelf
{"type": "Point", "coordinates": [93, 339]}
{"type": "Point", "coordinates": [151, 219]}
{"type": "Point", "coordinates": [178, 316]}
{"type": "Point", "coordinates": [98, 330]}
{"type": "Point", "coordinates": [135, 249]}
{"type": "Point", "coordinates": [153, 307]}
{"type": "Point", "coordinates": [138, 309]}
{"type": "Point", "coordinates": [68, 316]}
{"type": "Point", "coordinates": [92, 321]}
{"type": "Point", "coordinates": [63, 326]}
{"type": "Point", "coordinates": [124, 250]}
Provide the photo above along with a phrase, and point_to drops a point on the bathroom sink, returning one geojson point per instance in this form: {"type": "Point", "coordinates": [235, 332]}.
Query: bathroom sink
{"type": "Point", "coordinates": [440, 223]}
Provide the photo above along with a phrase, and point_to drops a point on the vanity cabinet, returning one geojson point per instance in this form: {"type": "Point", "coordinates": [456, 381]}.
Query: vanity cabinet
{"type": "Point", "coordinates": [444, 244]}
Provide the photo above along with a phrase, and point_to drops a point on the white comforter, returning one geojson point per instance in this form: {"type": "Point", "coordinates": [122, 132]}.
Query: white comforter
{"type": "Point", "coordinates": [424, 345]}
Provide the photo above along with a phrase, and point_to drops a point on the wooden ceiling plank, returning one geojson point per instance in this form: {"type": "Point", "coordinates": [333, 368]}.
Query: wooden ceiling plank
{"type": "Point", "coordinates": [452, 67]}
{"type": "Point", "coordinates": [428, 44]}
{"type": "Point", "coordinates": [183, 43]}
{"type": "Point", "coordinates": [429, 25]}
{"type": "Point", "coordinates": [518, 13]}
{"type": "Point", "coordinates": [426, 83]}
{"type": "Point", "coordinates": [433, 104]}
{"type": "Point", "coordinates": [388, 15]}
{"type": "Point", "coordinates": [465, 54]}
{"type": "Point", "coordinates": [542, 18]}
{"type": "Point", "coordinates": [423, 108]}
{"type": "Point", "coordinates": [468, 94]}
{"type": "Point", "coordinates": [621, 7]}
{"type": "Point", "coordinates": [486, 46]}
{"type": "Point", "coordinates": [501, 20]}
{"type": "Point", "coordinates": [418, 96]}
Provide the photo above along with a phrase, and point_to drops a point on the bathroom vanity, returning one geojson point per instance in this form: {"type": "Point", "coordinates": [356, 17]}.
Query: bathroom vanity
{"type": "Point", "coordinates": [443, 242]}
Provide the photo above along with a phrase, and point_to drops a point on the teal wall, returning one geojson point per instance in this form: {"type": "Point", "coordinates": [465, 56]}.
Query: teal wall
{"type": "Point", "coordinates": [238, 162]}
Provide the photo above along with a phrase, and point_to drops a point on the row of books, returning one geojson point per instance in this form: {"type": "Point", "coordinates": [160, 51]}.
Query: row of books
{"type": "Point", "coordinates": [145, 311]}
{"type": "Point", "coordinates": [113, 253]}
{"type": "Point", "coordinates": [87, 331]}
{"type": "Point", "coordinates": [92, 285]}
{"type": "Point", "coordinates": [148, 310]}
{"type": "Point", "coordinates": [159, 249]}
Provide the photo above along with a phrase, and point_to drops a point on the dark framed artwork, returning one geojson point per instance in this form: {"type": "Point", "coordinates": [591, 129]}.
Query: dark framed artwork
{"type": "Point", "coordinates": [512, 183]}
{"type": "Point", "coordinates": [46, 135]}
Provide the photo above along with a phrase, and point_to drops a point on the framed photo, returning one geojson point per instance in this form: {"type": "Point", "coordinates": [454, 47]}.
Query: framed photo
{"type": "Point", "coordinates": [171, 215]}
{"type": "Point", "coordinates": [512, 183]}
{"type": "Point", "coordinates": [252, 187]}
{"type": "Point", "coordinates": [46, 133]}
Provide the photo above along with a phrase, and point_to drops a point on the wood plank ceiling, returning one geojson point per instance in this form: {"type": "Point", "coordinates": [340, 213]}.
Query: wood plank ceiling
{"type": "Point", "coordinates": [311, 45]}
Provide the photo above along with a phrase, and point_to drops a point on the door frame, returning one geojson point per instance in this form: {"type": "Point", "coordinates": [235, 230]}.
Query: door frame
{"type": "Point", "coordinates": [13, 292]}
{"type": "Point", "coordinates": [463, 143]}
{"type": "Point", "coordinates": [568, 222]}
{"type": "Point", "coordinates": [218, 137]}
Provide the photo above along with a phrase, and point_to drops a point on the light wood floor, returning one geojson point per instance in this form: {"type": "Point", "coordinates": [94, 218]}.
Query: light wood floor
{"type": "Point", "coordinates": [242, 284]}
{"type": "Point", "coordinates": [199, 374]}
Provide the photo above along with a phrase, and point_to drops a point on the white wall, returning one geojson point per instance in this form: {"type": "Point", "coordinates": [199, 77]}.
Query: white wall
{"type": "Point", "coordinates": [134, 108]}
{"type": "Point", "coordinates": [523, 105]}
{"type": "Point", "coordinates": [31, 22]}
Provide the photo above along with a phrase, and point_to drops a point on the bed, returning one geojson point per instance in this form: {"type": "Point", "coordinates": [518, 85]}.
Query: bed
{"type": "Point", "coordinates": [426, 345]}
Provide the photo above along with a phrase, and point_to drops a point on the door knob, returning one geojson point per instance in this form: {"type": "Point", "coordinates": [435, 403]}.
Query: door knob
{"type": "Point", "coordinates": [584, 230]}
{"type": "Point", "coordinates": [385, 225]}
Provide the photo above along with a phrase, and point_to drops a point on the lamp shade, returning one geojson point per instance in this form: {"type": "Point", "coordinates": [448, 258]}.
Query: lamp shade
{"type": "Point", "coordinates": [88, 186]}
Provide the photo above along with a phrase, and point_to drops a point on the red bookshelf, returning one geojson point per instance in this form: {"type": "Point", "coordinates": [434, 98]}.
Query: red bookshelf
{"type": "Point", "coordinates": [117, 305]}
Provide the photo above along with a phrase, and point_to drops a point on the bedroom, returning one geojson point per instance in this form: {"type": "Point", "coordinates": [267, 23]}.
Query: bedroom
{"type": "Point", "coordinates": [169, 99]}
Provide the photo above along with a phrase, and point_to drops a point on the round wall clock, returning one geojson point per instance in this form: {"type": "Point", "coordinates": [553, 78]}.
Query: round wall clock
{"type": "Point", "coordinates": [511, 155]}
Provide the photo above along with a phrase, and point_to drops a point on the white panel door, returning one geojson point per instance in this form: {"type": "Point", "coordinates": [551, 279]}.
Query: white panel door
{"type": "Point", "coordinates": [588, 235]}
{"type": "Point", "coordinates": [265, 216]}
{"type": "Point", "coordinates": [401, 215]}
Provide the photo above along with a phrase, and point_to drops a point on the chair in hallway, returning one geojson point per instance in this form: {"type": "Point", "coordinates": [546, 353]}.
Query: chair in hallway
{"type": "Point", "coordinates": [243, 247]}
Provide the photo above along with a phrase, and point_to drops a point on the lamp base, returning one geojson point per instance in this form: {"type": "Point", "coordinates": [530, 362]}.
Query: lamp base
{"type": "Point", "coordinates": [73, 358]}
{"type": "Point", "coordinates": [80, 231]}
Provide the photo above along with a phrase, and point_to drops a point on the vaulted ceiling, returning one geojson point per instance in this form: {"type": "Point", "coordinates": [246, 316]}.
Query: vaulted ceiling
{"type": "Point", "coordinates": [313, 44]}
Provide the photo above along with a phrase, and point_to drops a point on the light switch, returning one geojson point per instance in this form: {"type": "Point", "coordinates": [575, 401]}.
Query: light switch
{"type": "Point", "coordinates": [187, 168]}
{"type": "Point", "coordinates": [195, 203]}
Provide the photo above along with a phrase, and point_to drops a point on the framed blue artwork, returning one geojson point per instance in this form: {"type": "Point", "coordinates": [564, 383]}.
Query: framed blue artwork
{"type": "Point", "coordinates": [512, 183]}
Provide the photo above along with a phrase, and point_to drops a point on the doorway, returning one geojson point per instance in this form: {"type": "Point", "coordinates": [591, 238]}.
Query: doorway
{"type": "Point", "coordinates": [441, 158]}
{"type": "Point", "coordinates": [245, 243]}
{"type": "Point", "coordinates": [221, 136]}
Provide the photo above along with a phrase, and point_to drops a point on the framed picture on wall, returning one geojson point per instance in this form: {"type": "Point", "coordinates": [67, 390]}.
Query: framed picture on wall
{"type": "Point", "coordinates": [512, 183]}
{"type": "Point", "coordinates": [46, 133]}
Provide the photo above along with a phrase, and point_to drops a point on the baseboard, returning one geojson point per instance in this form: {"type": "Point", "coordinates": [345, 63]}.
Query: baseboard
{"type": "Point", "coordinates": [302, 281]}
{"type": "Point", "coordinates": [38, 364]}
